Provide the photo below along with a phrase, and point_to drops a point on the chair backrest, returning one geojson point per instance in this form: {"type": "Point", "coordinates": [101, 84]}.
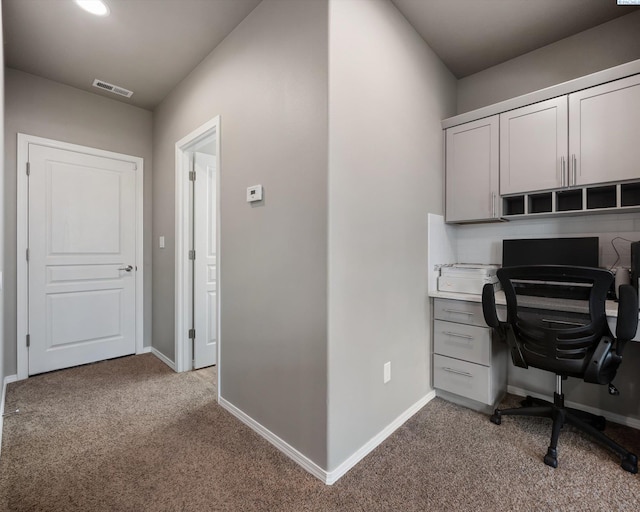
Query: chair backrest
{"type": "Point", "coordinates": [546, 339]}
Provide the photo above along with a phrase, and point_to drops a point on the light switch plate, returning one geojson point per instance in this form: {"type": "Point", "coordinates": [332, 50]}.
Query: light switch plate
{"type": "Point", "coordinates": [254, 193]}
{"type": "Point", "coordinates": [387, 372]}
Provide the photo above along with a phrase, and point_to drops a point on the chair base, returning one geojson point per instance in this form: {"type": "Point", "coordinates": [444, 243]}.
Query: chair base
{"type": "Point", "coordinates": [584, 421]}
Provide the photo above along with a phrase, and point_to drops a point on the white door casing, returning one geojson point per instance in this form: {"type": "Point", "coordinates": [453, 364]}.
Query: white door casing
{"type": "Point", "coordinates": [205, 273]}
{"type": "Point", "coordinates": [183, 270]}
{"type": "Point", "coordinates": [80, 216]}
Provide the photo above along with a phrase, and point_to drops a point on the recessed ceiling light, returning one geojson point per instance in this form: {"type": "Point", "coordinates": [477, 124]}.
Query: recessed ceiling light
{"type": "Point", "coordinates": [97, 7]}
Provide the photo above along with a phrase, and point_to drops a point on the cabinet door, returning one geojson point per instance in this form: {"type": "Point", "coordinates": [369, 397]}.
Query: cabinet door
{"type": "Point", "coordinates": [603, 132]}
{"type": "Point", "coordinates": [472, 171]}
{"type": "Point", "coordinates": [533, 147]}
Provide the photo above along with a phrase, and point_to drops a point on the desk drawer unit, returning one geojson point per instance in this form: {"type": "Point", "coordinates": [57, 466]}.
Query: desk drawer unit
{"type": "Point", "coordinates": [462, 378]}
{"type": "Point", "coordinates": [467, 361]}
{"type": "Point", "coordinates": [466, 342]}
{"type": "Point", "coordinates": [459, 311]}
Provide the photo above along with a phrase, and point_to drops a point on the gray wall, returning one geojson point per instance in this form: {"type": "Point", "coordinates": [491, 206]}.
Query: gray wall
{"type": "Point", "coordinates": [388, 94]}
{"type": "Point", "coordinates": [268, 82]}
{"type": "Point", "coordinates": [607, 45]}
{"type": "Point", "coordinates": [40, 107]}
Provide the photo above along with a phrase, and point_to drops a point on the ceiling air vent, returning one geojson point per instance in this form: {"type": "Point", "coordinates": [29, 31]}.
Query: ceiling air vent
{"type": "Point", "coordinates": [106, 86]}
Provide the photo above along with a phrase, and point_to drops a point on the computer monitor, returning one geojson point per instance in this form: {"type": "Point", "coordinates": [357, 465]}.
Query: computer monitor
{"type": "Point", "coordinates": [579, 251]}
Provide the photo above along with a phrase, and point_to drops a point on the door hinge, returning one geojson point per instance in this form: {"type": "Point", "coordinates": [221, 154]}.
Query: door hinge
{"type": "Point", "coordinates": [192, 255]}
{"type": "Point", "coordinates": [27, 254]}
{"type": "Point", "coordinates": [192, 175]}
{"type": "Point", "coordinates": [28, 168]}
{"type": "Point", "coordinates": [192, 334]}
{"type": "Point", "coordinates": [28, 340]}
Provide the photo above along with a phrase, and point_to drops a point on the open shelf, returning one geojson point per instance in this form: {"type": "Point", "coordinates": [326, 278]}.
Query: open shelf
{"type": "Point", "coordinates": [540, 203]}
{"type": "Point", "coordinates": [569, 200]}
{"type": "Point", "coordinates": [513, 205]}
{"type": "Point", "coordinates": [578, 200]}
{"type": "Point", "coordinates": [601, 197]}
{"type": "Point", "coordinates": [630, 194]}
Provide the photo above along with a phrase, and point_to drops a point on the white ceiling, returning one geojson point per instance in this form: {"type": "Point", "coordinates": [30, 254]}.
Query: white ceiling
{"type": "Point", "coordinates": [149, 46]}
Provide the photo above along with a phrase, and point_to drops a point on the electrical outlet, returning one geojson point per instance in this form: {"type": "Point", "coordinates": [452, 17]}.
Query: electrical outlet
{"type": "Point", "coordinates": [387, 372]}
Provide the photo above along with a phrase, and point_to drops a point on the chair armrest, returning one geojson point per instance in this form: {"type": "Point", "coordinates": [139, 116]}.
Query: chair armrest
{"type": "Point", "coordinates": [627, 323]}
{"type": "Point", "coordinates": [489, 306]}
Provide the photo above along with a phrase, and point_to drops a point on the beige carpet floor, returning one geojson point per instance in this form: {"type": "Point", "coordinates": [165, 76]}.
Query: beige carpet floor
{"type": "Point", "coordinates": [132, 435]}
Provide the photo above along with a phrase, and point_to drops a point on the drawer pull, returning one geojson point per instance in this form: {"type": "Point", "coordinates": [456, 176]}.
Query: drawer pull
{"type": "Point", "coordinates": [457, 372]}
{"type": "Point", "coordinates": [457, 311]}
{"type": "Point", "coordinates": [455, 334]}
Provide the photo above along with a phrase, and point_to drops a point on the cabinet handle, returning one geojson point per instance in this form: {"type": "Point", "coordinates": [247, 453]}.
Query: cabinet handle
{"type": "Point", "coordinates": [562, 173]}
{"type": "Point", "coordinates": [457, 335]}
{"type": "Point", "coordinates": [457, 372]}
{"type": "Point", "coordinates": [493, 205]}
{"type": "Point", "coordinates": [457, 311]}
{"type": "Point", "coordinates": [575, 165]}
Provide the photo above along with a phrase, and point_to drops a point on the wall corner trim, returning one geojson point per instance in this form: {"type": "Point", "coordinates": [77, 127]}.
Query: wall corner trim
{"type": "Point", "coordinates": [342, 469]}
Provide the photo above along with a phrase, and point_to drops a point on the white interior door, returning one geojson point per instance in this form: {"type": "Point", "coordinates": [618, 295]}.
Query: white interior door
{"type": "Point", "coordinates": [205, 286]}
{"type": "Point", "coordinates": [82, 249]}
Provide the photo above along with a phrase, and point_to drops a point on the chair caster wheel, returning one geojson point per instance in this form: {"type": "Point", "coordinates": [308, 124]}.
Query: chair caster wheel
{"type": "Point", "coordinates": [630, 463]}
{"type": "Point", "coordinates": [551, 458]}
{"type": "Point", "coordinates": [496, 418]}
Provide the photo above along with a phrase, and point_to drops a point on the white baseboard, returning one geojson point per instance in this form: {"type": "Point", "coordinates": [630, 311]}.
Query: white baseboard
{"type": "Point", "coordinates": [163, 358]}
{"type": "Point", "coordinates": [611, 416]}
{"type": "Point", "coordinates": [7, 380]}
{"type": "Point", "coordinates": [145, 350]}
{"type": "Point", "coordinates": [328, 477]}
{"type": "Point", "coordinates": [342, 469]}
{"type": "Point", "coordinates": [281, 445]}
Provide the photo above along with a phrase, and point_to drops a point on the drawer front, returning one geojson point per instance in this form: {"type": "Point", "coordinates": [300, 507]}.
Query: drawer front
{"type": "Point", "coordinates": [462, 341]}
{"type": "Point", "coordinates": [459, 311]}
{"type": "Point", "coordinates": [462, 378]}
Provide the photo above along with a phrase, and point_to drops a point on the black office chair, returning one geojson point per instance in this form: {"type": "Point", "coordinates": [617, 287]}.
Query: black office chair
{"type": "Point", "coordinates": [582, 347]}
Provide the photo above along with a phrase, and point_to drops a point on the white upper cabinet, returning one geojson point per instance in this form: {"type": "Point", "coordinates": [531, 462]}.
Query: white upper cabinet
{"type": "Point", "coordinates": [472, 171]}
{"type": "Point", "coordinates": [604, 145]}
{"type": "Point", "coordinates": [533, 147]}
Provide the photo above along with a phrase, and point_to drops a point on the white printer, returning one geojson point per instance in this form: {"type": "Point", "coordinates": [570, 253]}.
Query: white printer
{"type": "Point", "coordinates": [467, 277]}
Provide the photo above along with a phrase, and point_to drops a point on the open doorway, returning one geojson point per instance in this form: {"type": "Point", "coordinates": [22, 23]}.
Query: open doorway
{"type": "Point", "coordinates": [197, 248]}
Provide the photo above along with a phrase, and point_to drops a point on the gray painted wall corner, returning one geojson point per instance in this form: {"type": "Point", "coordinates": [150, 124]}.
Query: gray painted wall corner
{"type": "Point", "coordinates": [268, 83]}
{"type": "Point", "coordinates": [389, 93]}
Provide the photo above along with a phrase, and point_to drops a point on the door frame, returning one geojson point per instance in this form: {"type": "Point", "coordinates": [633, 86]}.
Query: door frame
{"type": "Point", "coordinates": [183, 345]}
{"type": "Point", "coordinates": [22, 270]}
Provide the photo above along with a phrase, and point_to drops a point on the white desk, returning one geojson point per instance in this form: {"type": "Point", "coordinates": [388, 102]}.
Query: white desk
{"type": "Point", "coordinates": [565, 305]}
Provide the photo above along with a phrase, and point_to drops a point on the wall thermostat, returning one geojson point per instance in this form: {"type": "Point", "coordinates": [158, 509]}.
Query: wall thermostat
{"type": "Point", "coordinates": [254, 193]}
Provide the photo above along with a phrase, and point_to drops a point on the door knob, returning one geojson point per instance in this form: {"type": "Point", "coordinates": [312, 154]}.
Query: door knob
{"type": "Point", "coordinates": [128, 268]}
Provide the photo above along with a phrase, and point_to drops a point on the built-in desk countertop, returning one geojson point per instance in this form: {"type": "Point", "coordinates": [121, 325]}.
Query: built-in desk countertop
{"type": "Point", "coordinates": [544, 303]}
